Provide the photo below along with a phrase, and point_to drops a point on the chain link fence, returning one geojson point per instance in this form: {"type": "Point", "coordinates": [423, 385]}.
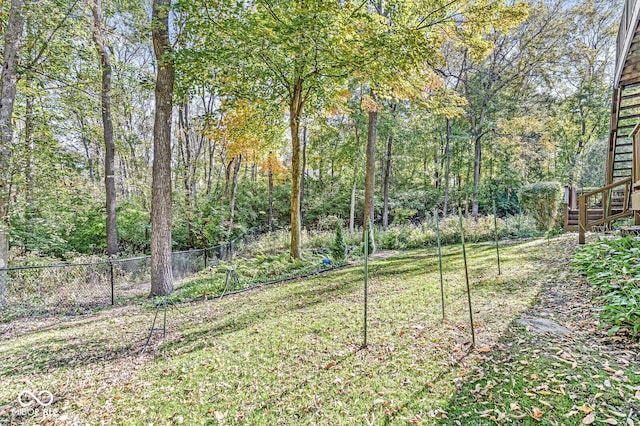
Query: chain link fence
{"type": "Point", "coordinates": [31, 296]}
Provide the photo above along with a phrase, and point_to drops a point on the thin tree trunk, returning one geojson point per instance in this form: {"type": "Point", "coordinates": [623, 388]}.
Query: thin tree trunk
{"type": "Point", "coordinates": [187, 168]}
{"type": "Point", "coordinates": [447, 168]}
{"type": "Point", "coordinates": [352, 210]}
{"type": "Point", "coordinates": [29, 142]}
{"type": "Point", "coordinates": [107, 129]}
{"type": "Point", "coordinates": [370, 178]}
{"type": "Point", "coordinates": [85, 144]}
{"type": "Point", "coordinates": [234, 186]}
{"type": "Point", "coordinates": [161, 271]}
{"type": "Point", "coordinates": [270, 218]}
{"type": "Point", "coordinates": [385, 187]}
{"type": "Point", "coordinates": [212, 148]}
{"type": "Point", "coordinates": [476, 176]}
{"type": "Point", "coordinates": [304, 169]}
{"type": "Point", "coordinates": [8, 81]}
{"type": "Point", "coordinates": [295, 113]}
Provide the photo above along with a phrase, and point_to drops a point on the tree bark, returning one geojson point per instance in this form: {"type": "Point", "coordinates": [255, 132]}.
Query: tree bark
{"type": "Point", "coordinates": [476, 176]}
{"type": "Point", "coordinates": [107, 129]}
{"type": "Point", "coordinates": [161, 272]}
{"type": "Point", "coordinates": [447, 168]}
{"type": "Point", "coordinates": [370, 178]}
{"type": "Point", "coordinates": [8, 82]}
{"type": "Point", "coordinates": [234, 186]}
{"type": "Point", "coordinates": [304, 169]}
{"type": "Point", "coordinates": [385, 186]}
{"type": "Point", "coordinates": [295, 112]}
{"type": "Point", "coordinates": [352, 210]}
{"type": "Point", "coordinates": [270, 218]}
{"type": "Point", "coordinates": [29, 142]}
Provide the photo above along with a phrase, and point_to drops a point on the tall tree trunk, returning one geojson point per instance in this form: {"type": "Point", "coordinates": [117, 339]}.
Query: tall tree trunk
{"type": "Point", "coordinates": [295, 113]}
{"type": "Point", "coordinates": [85, 144]}
{"type": "Point", "coordinates": [352, 210]}
{"type": "Point", "coordinates": [385, 186]}
{"type": "Point", "coordinates": [212, 148]}
{"type": "Point", "coordinates": [370, 178]}
{"type": "Point", "coordinates": [107, 129]}
{"type": "Point", "coordinates": [447, 168]}
{"type": "Point", "coordinates": [270, 218]}
{"type": "Point", "coordinates": [161, 272]}
{"type": "Point", "coordinates": [304, 170]}
{"type": "Point", "coordinates": [234, 186]}
{"type": "Point", "coordinates": [476, 176]}
{"type": "Point", "coordinates": [29, 142]}
{"type": "Point", "coordinates": [187, 168]}
{"type": "Point", "coordinates": [8, 82]}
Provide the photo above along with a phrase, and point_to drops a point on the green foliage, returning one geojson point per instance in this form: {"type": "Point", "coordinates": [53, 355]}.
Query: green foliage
{"type": "Point", "coordinates": [613, 267]}
{"type": "Point", "coordinates": [329, 222]}
{"type": "Point", "coordinates": [542, 200]}
{"type": "Point", "coordinates": [339, 247]}
{"type": "Point", "coordinates": [402, 216]}
{"type": "Point", "coordinates": [263, 268]}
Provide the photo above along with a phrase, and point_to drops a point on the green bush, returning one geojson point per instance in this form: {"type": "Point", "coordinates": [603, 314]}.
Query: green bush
{"type": "Point", "coordinates": [402, 216]}
{"type": "Point", "coordinates": [542, 201]}
{"type": "Point", "coordinates": [613, 267]}
{"type": "Point", "coordinates": [339, 247]}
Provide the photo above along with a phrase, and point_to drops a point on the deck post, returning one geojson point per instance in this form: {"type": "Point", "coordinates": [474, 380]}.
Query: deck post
{"type": "Point", "coordinates": [582, 221]}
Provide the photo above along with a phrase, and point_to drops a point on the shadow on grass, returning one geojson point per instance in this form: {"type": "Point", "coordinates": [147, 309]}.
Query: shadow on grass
{"type": "Point", "coordinates": [63, 352]}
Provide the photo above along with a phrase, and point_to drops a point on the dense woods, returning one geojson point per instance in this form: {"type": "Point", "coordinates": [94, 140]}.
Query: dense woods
{"type": "Point", "coordinates": [129, 127]}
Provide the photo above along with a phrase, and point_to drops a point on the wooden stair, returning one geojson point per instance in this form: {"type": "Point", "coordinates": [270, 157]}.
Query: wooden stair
{"type": "Point", "coordinates": [599, 208]}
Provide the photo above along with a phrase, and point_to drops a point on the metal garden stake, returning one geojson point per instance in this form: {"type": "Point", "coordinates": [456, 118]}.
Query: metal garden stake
{"type": "Point", "coordinates": [435, 212]}
{"type": "Point", "coordinates": [366, 277]}
{"type": "Point", "coordinates": [466, 275]}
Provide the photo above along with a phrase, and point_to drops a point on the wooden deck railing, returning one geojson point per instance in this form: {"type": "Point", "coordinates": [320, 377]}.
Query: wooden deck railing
{"type": "Point", "coordinates": [601, 203]}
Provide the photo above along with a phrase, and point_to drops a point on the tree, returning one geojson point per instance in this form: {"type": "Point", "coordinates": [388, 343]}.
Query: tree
{"type": "Point", "coordinates": [8, 82]}
{"type": "Point", "coordinates": [512, 59]}
{"type": "Point", "coordinates": [107, 125]}
{"type": "Point", "coordinates": [161, 272]}
{"type": "Point", "coordinates": [289, 51]}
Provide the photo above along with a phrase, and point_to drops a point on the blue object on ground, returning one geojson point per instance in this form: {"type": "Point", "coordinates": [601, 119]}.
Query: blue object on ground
{"type": "Point", "coordinates": [326, 261]}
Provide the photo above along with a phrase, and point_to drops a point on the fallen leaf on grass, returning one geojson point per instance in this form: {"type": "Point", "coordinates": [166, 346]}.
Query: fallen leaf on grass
{"type": "Point", "coordinates": [514, 406]}
{"type": "Point", "coordinates": [537, 413]}
{"type": "Point", "coordinates": [484, 350]}
{"type": "Point", "coordinates": [545, 403]}
{"type": "Point", "coordinates": [585, 409]}
{"type": "Point", "coordinates": [611, 421]}
{"type": "Point", "coordinates": [591, 417]}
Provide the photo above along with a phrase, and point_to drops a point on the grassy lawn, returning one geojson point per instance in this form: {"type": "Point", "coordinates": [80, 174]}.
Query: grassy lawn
{"type": "Point", "coordinates": [288, 353]}
{"type": "Point", "coordinates": [539, 379]}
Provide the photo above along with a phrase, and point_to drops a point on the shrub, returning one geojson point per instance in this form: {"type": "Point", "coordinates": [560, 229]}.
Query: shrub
{"type": "Point", "coordinates": [339, 247]}
{"type": "Point", "coordinates": [329, 222]}
{"type": "Point", "coordinates": [401, 216]}
{"type": "Point", "coordinates": [613, 267]}
{"type": "Point", "coordinates": [542, 200]}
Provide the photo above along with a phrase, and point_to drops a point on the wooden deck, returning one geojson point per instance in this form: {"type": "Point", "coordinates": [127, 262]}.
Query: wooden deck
{"type": "Point", "coordinates": [615, 199]}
